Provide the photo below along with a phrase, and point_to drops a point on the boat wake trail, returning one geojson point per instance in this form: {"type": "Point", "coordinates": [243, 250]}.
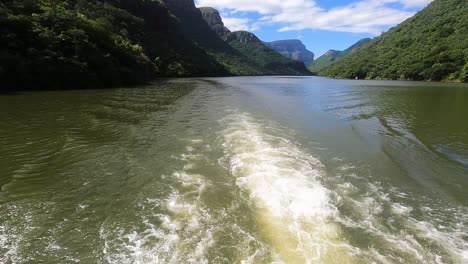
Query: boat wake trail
{"type": "Point", "coordinates": [294, 209]}
{"type": "Point", "coordinates": [183, 225]}
{"type": "Point", "coordinates": [176, 228]}
{"type": "Point", "coordinates": [250, 193]}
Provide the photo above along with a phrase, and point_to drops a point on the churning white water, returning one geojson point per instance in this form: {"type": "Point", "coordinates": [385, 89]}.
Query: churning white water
{"type": "Point", "coordinates": [304, 170]}
{"type": "Point", "coordinates": [294, 209]}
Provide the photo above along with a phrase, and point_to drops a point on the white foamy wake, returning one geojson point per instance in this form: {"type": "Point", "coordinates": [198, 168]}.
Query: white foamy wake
{"type": "Point", "coordinates": [398, 236]}
{"type": "Point", "coordinates": [180, 227]}
{"type": "Point", "coordinates": [13, 237]}
{"type": "Point", "coordinates": [295, 212]}
{"type": "Point", "coordinates": [6, 251]}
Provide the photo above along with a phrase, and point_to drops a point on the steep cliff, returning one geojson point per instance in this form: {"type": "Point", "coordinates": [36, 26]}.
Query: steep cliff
{"type": "Point", "coordinates": [293, 49]}
{"type": "Point", "coordinates": [251, 46]}
{"type": "Point", "coordinates": [195, 27]}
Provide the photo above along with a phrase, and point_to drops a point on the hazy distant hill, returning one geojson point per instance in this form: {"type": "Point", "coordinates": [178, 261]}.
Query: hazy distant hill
{"type": "Point", "coordinates": [333, 56]}
{"type": "Point", "coordinates": [432, 45]}
{"type": "Point", "coordinates": [249, 45]}
{"type": "Point", "coordinates": [293, 49]}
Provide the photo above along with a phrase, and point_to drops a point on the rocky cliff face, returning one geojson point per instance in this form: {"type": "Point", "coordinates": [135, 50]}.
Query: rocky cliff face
{"type": "Point", "coordinates": [241, 37]}
{"type": "Point", "coordinates": [252, 47]}
{"type": "Point", "coordinates": [211, 16]}
{"type": "Point", "coordinates": [181, 5]}
{"type": "Point", "coordinates": [195, 27]}
{"type": "Point", "coordinates": [214, 20]}
{"type": "Point", "coordinates": [293, 49]}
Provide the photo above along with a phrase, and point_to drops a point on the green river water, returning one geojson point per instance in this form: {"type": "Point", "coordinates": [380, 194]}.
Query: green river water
{"type": "Point", "coordinates": [236, 170]}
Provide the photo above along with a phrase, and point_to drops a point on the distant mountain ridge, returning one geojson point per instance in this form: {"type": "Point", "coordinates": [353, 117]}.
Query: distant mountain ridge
{"type": "Point", "coordinates": [432, 46]}
{"type": "Point", "coordinates": [333, 56]}
{"type": "Point", "coordinates": [108, 43]}
{"type": "Point", "coordinates": [251, 46]}
{"type": "Point", "coordinates": [293, 49]}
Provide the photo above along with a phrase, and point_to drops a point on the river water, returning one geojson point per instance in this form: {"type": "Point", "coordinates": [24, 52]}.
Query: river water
{"type": "Point", "coordinates": [236, 170]}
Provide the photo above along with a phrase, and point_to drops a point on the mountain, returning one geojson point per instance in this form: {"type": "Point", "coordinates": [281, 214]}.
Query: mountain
{"type": "Point", "coordinates": [87, 44]}
{"type": "Point", "coordinates": [196, 28]}
{"type": "Point", "coordinates": [333, 56]}
{"type": "Point", "coordinates": [52, 44]}
{"type": "Point", "coordinates": [432, 45]}
{"type": "Point", "coordinates": [214, 20]}
{"type": "Point", "coordinates": [292, 49]}
{"type": "Point", "coordinates": [249, 44]}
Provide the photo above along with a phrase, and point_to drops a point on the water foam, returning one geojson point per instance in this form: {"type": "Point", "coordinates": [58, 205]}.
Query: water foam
{"type": "Point", "coordinates": [181, 227]}
{"type": "Point", "coordinates": [295, 210]}
{"type": "Point", "coordinates": [397, 234]}
{"type": "Point", "coordinates": [181, 233]}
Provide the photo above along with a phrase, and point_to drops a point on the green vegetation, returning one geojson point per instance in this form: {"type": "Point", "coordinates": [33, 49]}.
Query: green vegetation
{"type": "Point", "coordinates": [196, 28]}
{"type": "Point", "coordinates": [269, 59]}
{"type": "Point", "coordinates": [432, 45]}
{"type": "Point", "coordinates": [61, 44]}
{"type": "Point", "coordinates": [65, 44]}
{"type": "Point", "coordinates": [247, 45]}
{"type": "Point", "coordinates": [48, 44]}
{"type": "Point", "coordinates": [333, 56]}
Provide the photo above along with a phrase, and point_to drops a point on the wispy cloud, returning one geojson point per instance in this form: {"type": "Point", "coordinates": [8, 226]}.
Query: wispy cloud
{"type": "Point", "coordinates": [362, 16]}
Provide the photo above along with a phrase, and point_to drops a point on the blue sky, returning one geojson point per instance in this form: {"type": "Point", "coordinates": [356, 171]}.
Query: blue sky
{"type": "Point", "coordinates": [320, 24]}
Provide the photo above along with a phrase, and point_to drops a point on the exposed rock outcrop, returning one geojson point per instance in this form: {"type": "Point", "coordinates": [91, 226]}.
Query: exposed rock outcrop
{"type": "Point", "coordinates": [293, 49]}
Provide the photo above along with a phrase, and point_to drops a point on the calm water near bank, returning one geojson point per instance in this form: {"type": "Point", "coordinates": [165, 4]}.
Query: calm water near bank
{"type": "Point", "coordinates": [236, 170]}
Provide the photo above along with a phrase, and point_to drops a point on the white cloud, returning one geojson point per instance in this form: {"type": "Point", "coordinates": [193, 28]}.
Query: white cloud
{"type": "Point", "coordinates": [414, 3]}
{"type": "Point", "coordinates": [235, 24]}
{"type": "Point", "coordinates": [362, 16]}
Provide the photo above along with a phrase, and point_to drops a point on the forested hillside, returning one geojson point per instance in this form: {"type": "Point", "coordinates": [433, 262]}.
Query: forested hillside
{"type": "Point", "coordinates": [249, 45]}
{"type": "Point", "coordinates": [78, 43]}
{"type": "Point", "coordinates": [432, 45]}
{"type": "Point", "coordinates": [333, 56]}
{"type": "Point", "coordinates": [196, 28]}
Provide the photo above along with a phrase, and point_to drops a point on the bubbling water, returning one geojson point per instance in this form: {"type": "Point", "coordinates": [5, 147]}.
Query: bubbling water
{"type": "Point", "coordinates": [295, 211]}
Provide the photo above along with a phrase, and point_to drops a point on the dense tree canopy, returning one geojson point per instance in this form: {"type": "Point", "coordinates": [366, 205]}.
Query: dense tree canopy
{"type": "Point", "coordinates": [60, 44]}
{"type": "Point", "coordinates": [81, 43]}
{"type": "Point", "coordinates": [51, 43]}
{"type": "Point", "coordinates": [432, 45]}
{"type": "Point", "coordinates": [333, 56]}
